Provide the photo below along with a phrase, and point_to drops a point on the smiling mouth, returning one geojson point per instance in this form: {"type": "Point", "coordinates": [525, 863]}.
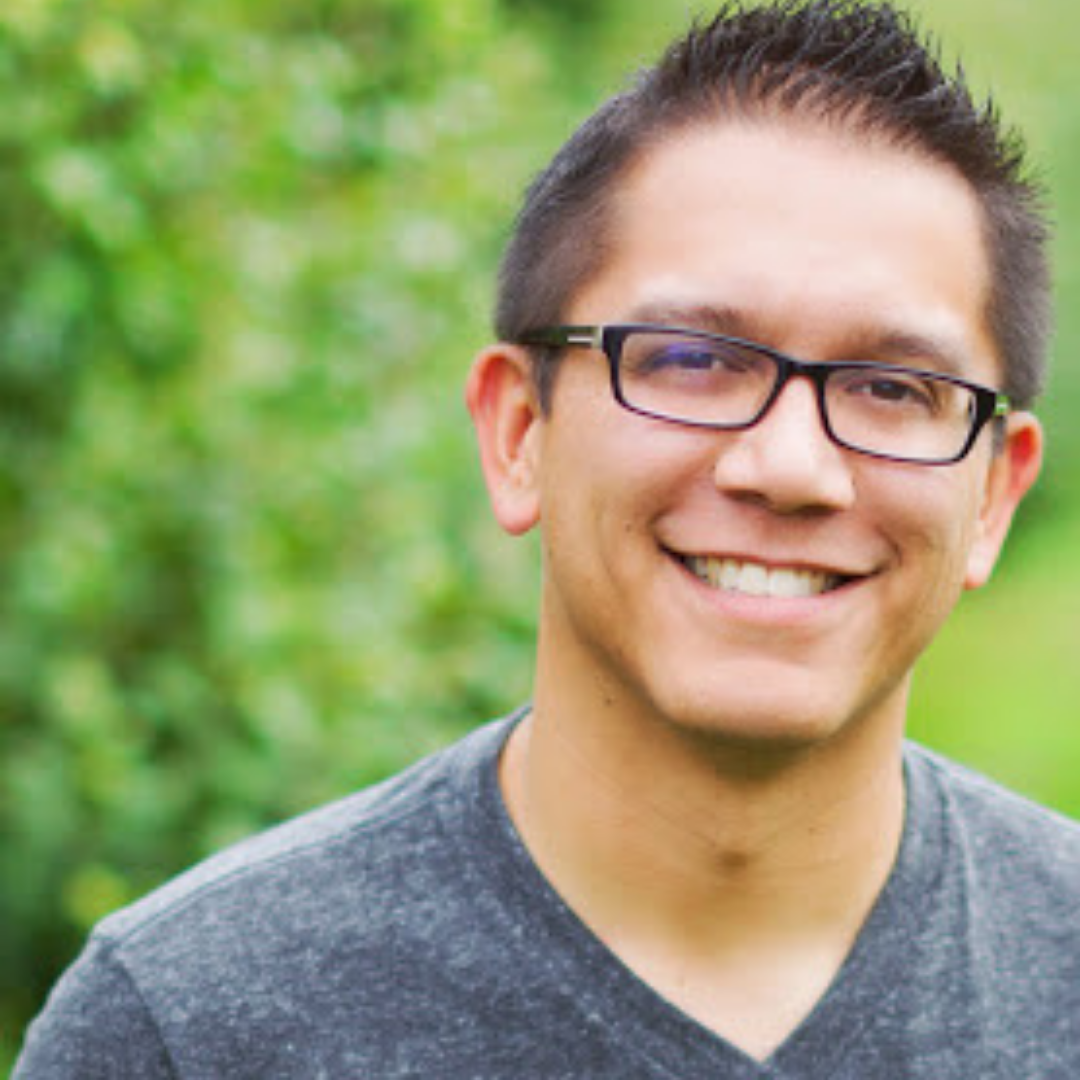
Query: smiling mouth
{"type": "Point", "coordinates": [755, 579]}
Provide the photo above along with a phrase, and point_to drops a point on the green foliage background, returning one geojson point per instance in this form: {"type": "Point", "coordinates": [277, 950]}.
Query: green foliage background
{"type": "Point", "coordinates": [246, 252]}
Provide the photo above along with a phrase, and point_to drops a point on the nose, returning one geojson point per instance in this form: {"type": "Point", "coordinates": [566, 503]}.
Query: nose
{"type": "Point", "coordinates": [787, 461]}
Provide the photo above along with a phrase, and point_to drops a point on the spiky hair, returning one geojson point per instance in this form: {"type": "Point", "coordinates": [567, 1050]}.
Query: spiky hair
{"type": "Point", "coordinates": [860, 66]}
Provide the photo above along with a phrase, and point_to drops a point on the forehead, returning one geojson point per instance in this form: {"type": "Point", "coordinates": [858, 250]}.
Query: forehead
{"type": "Point", "coordinates": [813, 239]}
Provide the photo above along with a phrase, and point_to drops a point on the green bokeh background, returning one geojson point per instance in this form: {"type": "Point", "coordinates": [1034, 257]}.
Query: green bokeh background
{"type": "Point", "coordinates": [246, 565]}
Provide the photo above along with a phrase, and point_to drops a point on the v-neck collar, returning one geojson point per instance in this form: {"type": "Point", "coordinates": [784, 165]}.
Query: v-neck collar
{"type": "Point", "coordinates": [650, 1028]}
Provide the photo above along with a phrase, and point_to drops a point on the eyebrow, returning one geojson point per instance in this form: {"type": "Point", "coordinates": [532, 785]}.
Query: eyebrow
{"type": "Point", "coordinates": [898, 345]}
{"type": "Point", "coordinates": [714, 319]}
{"type": "Point", "coordinates": [906, 345]}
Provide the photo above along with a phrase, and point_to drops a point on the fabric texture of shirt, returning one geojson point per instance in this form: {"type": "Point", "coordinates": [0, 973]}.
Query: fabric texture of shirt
{"type": "Point", "coordinates": [406, 932]}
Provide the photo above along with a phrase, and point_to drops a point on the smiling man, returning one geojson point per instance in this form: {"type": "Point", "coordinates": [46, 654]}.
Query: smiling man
{"type": "Point", "coordinates": [770, 324]}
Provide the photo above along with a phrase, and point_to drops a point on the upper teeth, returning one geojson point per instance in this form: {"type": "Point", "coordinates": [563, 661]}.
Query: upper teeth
{"type": "Point", "coordinates": [753, 579]}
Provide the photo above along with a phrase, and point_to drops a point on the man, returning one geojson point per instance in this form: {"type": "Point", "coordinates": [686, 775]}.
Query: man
{"type": "Point", "coordinates": [769, 326]}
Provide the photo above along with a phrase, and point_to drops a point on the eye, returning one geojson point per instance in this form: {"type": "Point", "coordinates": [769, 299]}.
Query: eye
{"type": "Point", "coordinates": [653, 359]}
{"type": "Point", "coordinates": [891, 390]}
{"type": "Point", "coordinates": [684, 357]}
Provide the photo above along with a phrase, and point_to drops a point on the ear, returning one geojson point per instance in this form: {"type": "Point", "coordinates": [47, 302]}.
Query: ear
{"type": "Point", "coordinates": [501, 397]}
{"type": "Point", "coordinates": [1013, 470]}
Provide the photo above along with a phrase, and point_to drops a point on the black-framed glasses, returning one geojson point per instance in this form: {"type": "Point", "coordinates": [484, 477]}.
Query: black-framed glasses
{"type": "Point", "coordinates": [708, 380]}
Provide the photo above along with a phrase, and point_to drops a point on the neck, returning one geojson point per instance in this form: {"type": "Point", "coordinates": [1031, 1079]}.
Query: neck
{"type": "Point", "coordinates": [714, 820]}
{"type": "Point", "coordinates": [694, 861]}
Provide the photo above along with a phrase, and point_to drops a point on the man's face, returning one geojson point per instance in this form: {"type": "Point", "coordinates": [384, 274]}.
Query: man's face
{"type": "Point", "coordinates": [826, 249]}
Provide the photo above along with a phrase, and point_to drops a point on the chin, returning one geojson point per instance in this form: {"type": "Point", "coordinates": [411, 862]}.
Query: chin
{"type": "Point", "coordinates": [777, 732]}
{"type": "Point", "coordinates": [777, 710]}
{"type": "Point", "coordinates": [769, 738]}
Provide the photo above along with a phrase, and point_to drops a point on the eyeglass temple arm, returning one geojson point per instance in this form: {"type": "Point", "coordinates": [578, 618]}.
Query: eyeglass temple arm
{"type": "Point", "coordinates": [560, 336]}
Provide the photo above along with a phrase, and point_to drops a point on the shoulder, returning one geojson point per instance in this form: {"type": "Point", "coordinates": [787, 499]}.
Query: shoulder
{"type": "Point", "coordinates": [354, 844]}
{"type": "Point", "coordinates": [996, 903]}
{"type": "Point", "coordinates": [257, 950]}
{"type": "Point", "coordinates": [1006, 842]}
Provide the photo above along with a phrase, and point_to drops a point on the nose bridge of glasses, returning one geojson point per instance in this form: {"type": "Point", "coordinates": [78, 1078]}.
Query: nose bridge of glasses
{"type": "Point", "coordinates": [789, 372]}
{"type": "Point", "coordinates": [787, 456]}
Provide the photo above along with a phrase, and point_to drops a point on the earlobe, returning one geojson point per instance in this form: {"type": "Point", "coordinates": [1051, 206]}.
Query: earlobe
{"type": "Point", "coordinates": [1013, 471]}
{"type": "Point", "coordinates": [501, 398]}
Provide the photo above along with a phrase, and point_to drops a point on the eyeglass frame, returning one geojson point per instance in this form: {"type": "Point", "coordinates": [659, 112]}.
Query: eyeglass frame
{"type": "Point", "coordinates": [990, 404]}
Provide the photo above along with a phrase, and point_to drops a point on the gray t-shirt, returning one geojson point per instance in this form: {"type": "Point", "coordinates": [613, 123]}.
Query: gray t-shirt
{"type": "Point", "coordinates": [405, 932]}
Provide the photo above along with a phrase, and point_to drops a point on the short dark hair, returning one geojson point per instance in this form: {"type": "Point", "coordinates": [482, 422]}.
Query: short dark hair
{"type": "Point", "coordinates": [860, 65]}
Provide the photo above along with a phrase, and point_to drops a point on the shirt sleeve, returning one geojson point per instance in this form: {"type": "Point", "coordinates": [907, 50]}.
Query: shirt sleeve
{"type": "Point", "coordinates": [95, 1026]}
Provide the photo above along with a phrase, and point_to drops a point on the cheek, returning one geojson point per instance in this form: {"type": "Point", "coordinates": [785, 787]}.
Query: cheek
{"type": "Point", "coordinates": [926, 524]}
{"type": "Point", "coordinates": [609, 478]}
{"type": "Point", "coordinates": [934, 515]}
{"type": "Point", "coordinates": [605, 463]}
